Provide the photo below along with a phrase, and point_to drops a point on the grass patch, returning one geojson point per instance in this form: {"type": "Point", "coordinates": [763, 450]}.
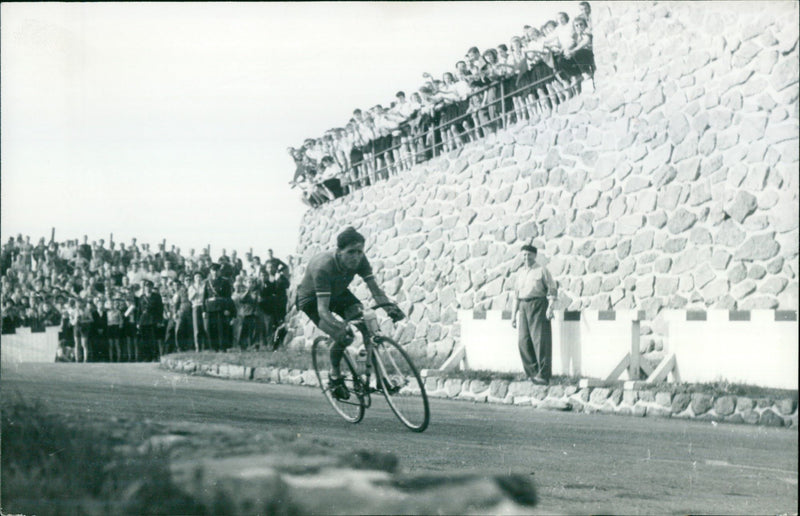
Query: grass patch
{"type": "Point", "coordinates": [283, 358]}
{"type": "Point", "coordinates": [56, 465]}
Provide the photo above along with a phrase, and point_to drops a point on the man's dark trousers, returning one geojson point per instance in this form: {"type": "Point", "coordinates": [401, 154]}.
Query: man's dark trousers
{"type": "Point", "coordinates": [535, 337]}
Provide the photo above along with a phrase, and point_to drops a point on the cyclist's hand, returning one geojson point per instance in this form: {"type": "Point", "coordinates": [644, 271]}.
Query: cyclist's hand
{"type": "Point", "coordinates": [395, 313]}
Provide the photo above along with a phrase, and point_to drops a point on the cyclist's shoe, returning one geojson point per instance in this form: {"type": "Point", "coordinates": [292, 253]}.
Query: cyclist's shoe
{"type": "Point", "coordinates": [395, 383]}
{"type": "Point", "coordinates": [338, 388]}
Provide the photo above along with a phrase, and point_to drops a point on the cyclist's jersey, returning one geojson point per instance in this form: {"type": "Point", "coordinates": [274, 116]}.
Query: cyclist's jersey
{"type": "Point", "coordinates": [324, 277]}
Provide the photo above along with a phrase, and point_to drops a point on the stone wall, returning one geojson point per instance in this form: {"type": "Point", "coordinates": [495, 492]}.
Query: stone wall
{"type": "Point", "coordinates": [673, 185]}
{"type": "Point", "coordinates": [665, 401]}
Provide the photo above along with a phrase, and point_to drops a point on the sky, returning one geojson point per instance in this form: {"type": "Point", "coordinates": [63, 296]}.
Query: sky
{"type": "Point", "coordinates": [171, 120]}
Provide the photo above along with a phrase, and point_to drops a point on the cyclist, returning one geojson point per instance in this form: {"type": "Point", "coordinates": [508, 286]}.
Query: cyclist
{"type": "Point", "coordinates": [323, 292]}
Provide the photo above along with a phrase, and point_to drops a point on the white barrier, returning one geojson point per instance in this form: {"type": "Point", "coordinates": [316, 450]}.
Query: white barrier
{"type": "Point", "coordinates": [588, 343]}
{"type": "Point", "coordinates": [592, 343]}
{"type": "Point", "coordinates": [490, 341]}
{"type": "Point", "coordinates": [758, 347]}
{"type": "Point", "coordinates": [24, 346]}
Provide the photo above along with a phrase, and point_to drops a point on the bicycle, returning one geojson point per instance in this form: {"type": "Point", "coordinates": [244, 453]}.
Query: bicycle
{"type": "Point", "coordinates": [395, 376]}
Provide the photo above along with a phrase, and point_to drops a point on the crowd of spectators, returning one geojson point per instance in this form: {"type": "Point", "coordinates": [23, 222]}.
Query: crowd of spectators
{"type": "Point", "coordinates": [534, 72]}
{"type": "Point", "coordinates": [133, 303]}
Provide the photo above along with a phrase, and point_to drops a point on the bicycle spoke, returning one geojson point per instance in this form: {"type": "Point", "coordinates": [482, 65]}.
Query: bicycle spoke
{"type": "Point", "coordinates": [402, 385]}
{"type": "Point", "coordinates": [351, 409]}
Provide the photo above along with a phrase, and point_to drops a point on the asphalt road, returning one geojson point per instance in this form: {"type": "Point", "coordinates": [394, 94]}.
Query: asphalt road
{"type": "Point", "coordinates": [581, 463]}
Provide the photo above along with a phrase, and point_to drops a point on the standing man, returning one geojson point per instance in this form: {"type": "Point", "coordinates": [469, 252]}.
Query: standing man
{"type": "Point", "coordinates": [218, 305]}
{"type": "Point", "coordinates": [275, 285]}
{"type": "Point", "coordinates": [535, 291]}
{"type": "Point", "coordinates": [197, 291]}
{"type": "Point", "coordinates": [150, 315]}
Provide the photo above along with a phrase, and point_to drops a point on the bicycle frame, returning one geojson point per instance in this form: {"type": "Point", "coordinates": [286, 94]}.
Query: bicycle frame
{"type": "Point", "coordinates": [371, 362]}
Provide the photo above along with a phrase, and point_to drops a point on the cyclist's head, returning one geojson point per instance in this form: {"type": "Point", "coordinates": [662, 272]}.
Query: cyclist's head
{"type": "Point", "coordinates": [347, 237]}
{"type": "Point", "coordinates": [350, 248]}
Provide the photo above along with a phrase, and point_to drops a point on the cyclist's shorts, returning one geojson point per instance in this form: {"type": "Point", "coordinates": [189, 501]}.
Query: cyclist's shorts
{"type": "Point", "coordinates": [345, 305]}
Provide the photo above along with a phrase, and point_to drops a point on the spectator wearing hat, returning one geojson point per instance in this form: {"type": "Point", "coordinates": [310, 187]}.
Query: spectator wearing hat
{"type": "Point", "coordinates": [150, 314]}
{"type": "Point", "coordinates": [218, 308]}
{"type": "Point", "coordinates": [535, 291]}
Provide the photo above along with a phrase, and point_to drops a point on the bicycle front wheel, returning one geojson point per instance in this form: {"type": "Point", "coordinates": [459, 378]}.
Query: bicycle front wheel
{"type": "Point", "coordinates": [401, 384]}
{"type": "Point", "coordinates": [351, 409]}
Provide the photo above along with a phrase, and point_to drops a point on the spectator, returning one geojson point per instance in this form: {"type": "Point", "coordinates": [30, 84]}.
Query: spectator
{"type": "Point", "coordinates": [81, 320]}
{"type": "Point", "coordinates": [129, 333]}
{"type": "Point", "coordinates": [114, 318]}
{"type": "Point", "coordinates": [85, 250]}
{"type": "Point", "coordinates": [170, 318]}
{"type": "Point", "coordinates": [98, 332]}
{"type": "Point", "coordinates": [150, 314]}
{"type": "Point", "coordinates": [183, 316]}
{"type": "Point", "coordinates": [167, 273]}
{"type": "Point", "coordinates": [535, 293]}
{"type": "Point", "coordinates": [274, 300]}
{"type": "Point", "coordinates": [581, 53]}
{"type": "Point", "coordinates": [196, 294]}
{"type": "Point", "coordinates": [280, 265]}
{"type": "Point", "coordinates": [586, 14]}
{"type": "Point", "coordinates": [246, 298]}
{"type": "Point", "coordinates": [331, 173]}
{"type": "Point", "coordinates": [218, 308]}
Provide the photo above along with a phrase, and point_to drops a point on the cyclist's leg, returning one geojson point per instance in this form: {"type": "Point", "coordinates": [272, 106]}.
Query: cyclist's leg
{"type": "Point", "coordinates": [347, 306]}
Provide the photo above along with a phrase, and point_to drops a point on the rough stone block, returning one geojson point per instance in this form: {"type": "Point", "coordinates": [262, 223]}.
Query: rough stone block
{"type": "Point", "coordinates": [770, 418]}
{"type": "Point", "coordinates": [680, 221]}
{"type": "Point", "coordinates": [786, 406]}
{"type": "Point", "coordinates": [680, 402]}
{"type": "Point", "coordinates": [583, 394]}
{"type": "Point", "coordinates": [630, 224]}
{"type": "Point", "coordinates": [647, 396]}
{"type": "Point", "coordinates": [520, 388]}
{"type": "Point", "coordinates": [750, 417]}
{"type": "Point", "coordinates": [630, 397]}
{"type": "Point", "coordinates": [640, 409]}
{"type": "Point", "coordinates": [498, 388]}
{"type": "Point", "coordinates": [725, 405]}
{"type": "Point", "coordinates": [599, 395]}
{"type": "Point", "coordinates": [701, 403]}
{"type": "Point", "coordinates": [785, 73]}
{"type": "Point", "coordinates": [664, 398]}
{"type": "Point", "coordinates": [555, 391]}
{"type": "Point", "coordinates": [758, 247]}
{"type": "Point", "coordinates": [743, 205]}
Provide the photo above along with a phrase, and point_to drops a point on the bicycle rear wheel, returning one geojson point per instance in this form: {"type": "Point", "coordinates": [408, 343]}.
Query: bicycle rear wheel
{"type": "Point", "coordinates": [401, 384]}
{"type": "Point", "coordinates": [352, 409]}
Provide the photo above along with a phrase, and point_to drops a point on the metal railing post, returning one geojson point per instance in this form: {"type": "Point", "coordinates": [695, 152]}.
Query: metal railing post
{"type": "Point", "coordinates": [502, 103]}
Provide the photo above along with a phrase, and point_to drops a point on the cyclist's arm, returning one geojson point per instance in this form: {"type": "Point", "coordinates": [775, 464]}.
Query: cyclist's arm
{"type": "Point", "coordinates": [377, 293]}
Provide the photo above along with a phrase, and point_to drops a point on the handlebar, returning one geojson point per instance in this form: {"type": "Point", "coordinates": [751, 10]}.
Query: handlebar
{"type": "Point", "coordinates": [383, 305]}
{"type": "Point", "coordinates": [375, 307]}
